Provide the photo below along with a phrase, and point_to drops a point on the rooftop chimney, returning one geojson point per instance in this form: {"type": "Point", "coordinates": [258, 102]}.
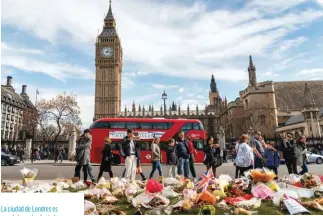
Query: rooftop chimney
{"type": "Point", "coordinates": [9, 80]}
{"type": "Point", "coordinates": [24, 89]}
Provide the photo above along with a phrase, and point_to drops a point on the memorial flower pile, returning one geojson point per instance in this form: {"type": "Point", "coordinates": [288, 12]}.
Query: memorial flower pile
{"type": "Point", "coordinates": [257, 193]}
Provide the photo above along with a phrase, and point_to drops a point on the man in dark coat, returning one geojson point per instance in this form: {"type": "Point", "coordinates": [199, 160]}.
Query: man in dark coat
{"type": "Point", "coordinates": [183, 155]}
{"type": "Point", "coordinates": [286, 146]}
{"type": "Point", "coordinates": [106, 158]}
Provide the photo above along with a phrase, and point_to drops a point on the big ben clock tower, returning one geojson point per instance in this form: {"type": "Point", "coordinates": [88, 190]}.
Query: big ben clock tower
{"type": "Point", "coordinates": [108, 63]}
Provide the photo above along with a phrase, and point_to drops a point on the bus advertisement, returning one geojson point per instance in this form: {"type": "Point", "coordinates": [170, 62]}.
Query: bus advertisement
{"type": "Point", "coordinates": [146, 129]}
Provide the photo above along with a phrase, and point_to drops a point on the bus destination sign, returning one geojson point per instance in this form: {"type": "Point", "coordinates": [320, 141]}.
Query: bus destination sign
{"type": "Point", "coordinates": [141, 134]}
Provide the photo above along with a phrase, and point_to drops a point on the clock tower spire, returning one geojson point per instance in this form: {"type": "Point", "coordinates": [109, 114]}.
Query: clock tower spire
{"type": "Point", "coordinates": [108, 63]}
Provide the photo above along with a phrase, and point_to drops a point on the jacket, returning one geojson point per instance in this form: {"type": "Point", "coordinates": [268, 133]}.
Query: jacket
{"type": "Point", "coordinates": [272, 158]}
{"type": "Point", "coordinates": [126, 147]}
{"type": "Point", "coordinates": [182, 150]}
{"type": "Point", "coordinates": [106, 158]}
{"type": "Point", "coordinates": [213, 156]}
{"type": "Point", "coordinates": [191, 147]}
{"type": "Point", "coordinates": [287, 149]}
{"type": "Point", "coordinates": [300, 153]}
{"type": "Point", "coordinates": [83, 151]}
{"type": "Point", "coordinates": [155, 153]}
{"type": "Point", "coordinates": [172, 156]}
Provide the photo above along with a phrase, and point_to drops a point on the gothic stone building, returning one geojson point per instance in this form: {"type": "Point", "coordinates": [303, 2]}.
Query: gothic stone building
{"type": "Point", "coordinates": [268, 105]}
{"type": "Point", "coordinates": [108, 63]}
{"type": "Point", "coordinates": [209, 116]}
{"type": "Point", "coordinates": [13, 106]}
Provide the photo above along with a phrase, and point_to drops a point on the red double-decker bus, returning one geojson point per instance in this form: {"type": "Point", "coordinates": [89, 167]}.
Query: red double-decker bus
{"type": "Point", "coordinates": [147, 129]}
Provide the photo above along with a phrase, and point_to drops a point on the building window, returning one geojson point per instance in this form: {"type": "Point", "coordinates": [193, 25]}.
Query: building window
{"type": "Point", "coordinates": [246, 102]}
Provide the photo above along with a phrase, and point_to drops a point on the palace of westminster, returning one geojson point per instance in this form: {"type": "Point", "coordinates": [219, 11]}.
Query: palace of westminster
{"type": "Point", "coordinates": [274, 108]}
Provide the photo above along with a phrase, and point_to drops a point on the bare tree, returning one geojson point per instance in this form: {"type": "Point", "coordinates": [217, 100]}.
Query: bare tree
{"type": "Point", "coordinates": [254, 117]}
{"type": "Point", "coordinates": [57, 116]}
{"type": "Point", "coordinates": [29, 121]}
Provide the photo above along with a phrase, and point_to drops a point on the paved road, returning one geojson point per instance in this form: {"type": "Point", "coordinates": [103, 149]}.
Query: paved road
{"type": "Point", "coordinates": [52, 171]}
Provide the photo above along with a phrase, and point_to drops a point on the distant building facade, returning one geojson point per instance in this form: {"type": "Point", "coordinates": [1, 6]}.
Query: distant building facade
{"type": "Point", "coordinates": [13, 106]}
{"type": "Point", "coordinates": [209, 116]}
{"type": "Point", "coordinates": [268, 106]}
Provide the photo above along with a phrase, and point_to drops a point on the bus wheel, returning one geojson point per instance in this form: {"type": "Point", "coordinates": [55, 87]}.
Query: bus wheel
{"type": "Point", "coordinates": [116, 160]}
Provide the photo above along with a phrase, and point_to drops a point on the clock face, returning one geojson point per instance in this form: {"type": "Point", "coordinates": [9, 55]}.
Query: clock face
{"type": "Point", "coordinates": [107, 52]}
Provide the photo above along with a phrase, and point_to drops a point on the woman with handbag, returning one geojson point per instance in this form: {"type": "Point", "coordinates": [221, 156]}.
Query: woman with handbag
{"type": "Point", "coordinates": [106, 159]}
{"type": "Point", "coordinates": [155, 159]}
{"type": "Point", "coordinates": [245, 157]}
{"type": "Point", "coordinates": [213, 155]}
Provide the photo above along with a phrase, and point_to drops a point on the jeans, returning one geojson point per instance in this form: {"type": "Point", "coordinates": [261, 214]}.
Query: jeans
{"type": "Point", "coordinates": [304, 169]}
{"type": "Point", "coordinates": [156, 165]}
{"type": "Point", "coordinates": [172, 171]}
{"type": "Point", "coordinates": [183, 164]}
{"type": "Point", "coordinates": [131, 167]}
{"type": "Point", "coordinates": [291, 164]}
{"type": "Point", "coordinates": [259, 163]}
{"type": "Point", "coordinates": [89, 168]}
{"type": "Point", "coordinates": [141, 174]}
{"type": "Point", "coordinates": [192, 168]}
{"type": "Point", "coordinates": [78, 171]}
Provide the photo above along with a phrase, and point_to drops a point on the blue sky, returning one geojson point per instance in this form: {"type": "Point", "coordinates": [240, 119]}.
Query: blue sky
{"type": "Point", "coordinates": [171, 45]}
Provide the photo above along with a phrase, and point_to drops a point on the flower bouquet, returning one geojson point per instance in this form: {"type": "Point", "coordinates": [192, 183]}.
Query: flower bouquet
{"type": "Point", "coordinates": [309, 180]}
{"type": "Point", "coordinates": [236, 188]}
{"type": "Point", "coordinates": [28, 175]}
{"type": "Point", "coordinates": [262, 175]}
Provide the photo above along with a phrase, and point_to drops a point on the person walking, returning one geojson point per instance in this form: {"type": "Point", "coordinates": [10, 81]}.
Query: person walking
{"type": "Point", "coordinates": [258, 150]}
{"type": "Point", "coordinates": [61, 154]}
{"type": "Point", "coordinates": [192, 152]}
{"type": "Point", "coordinates": [129, 151]}
{"type": "Point", "coordinates": [213, 155]}
{"type": "Point", "coordinates": [172, 160]}
{"type": "Point", "coordinates": [225, 153]}
{"type": "Point", "coordinates": [287, 148]}
{"type": "Point", "coordinates": [83, 154]}
{"type": "Point", "coordinates": [106, 159]}
{"type": "Point", "coordinates": [300, 152]}
{"type": "Point", "coordinates": [272, 158]}
{"type": "Point", "coordinates": [244, 160]}
{"type": "Point", "coordinates": [155, 158]}
{"type": "Point", "coordinates": [183, 155]}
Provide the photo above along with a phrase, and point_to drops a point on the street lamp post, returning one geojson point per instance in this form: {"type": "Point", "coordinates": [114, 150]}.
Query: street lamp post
{"type": "Point", "coordinates": [164, 97]}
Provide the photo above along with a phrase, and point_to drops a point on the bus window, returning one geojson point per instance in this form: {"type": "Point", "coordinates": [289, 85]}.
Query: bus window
{"type": "Point", "coordinates": [198, 144]}
{"type": "Point", "coordinates": [163, 145]}
{"type": "Point", "coordinates": [161, 125]}
{"type": "Point", "coordinates": [186, 127]}
{"type": "Point", "coordinates": [115, 146]}
{"type": "Point", "coordinates": [144, 145]}
{"type": "Point", "coordinates": [131, 125]}
{"type": "Point", "coordinates": [201, 126]}
{"type": "Point", "coordinates": [117, 125]}
{"type": "Point", "coordinates": [145, 125]}
{"type": "Point", "coordinates": [100, 124]}
{"type": "Point", "coordinates": [196, 126]}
